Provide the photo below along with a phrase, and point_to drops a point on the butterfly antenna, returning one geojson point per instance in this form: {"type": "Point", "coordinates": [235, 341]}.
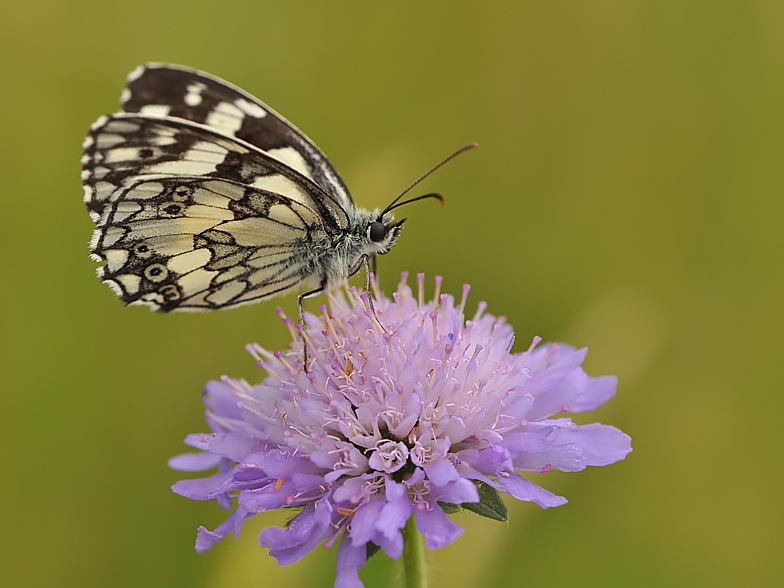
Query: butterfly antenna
{"type": "Point", "coordinates": [394, 204]}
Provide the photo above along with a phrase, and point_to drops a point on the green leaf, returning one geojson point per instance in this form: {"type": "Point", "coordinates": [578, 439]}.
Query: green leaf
{"type": "Point", "coordinates": [449, 507]}
{"type": "Point", "coordinates": [292, 511]}
{"type": "Point", "coordinates": [490, 504]}
{"type": "Point", "coordinates": [371, 549]}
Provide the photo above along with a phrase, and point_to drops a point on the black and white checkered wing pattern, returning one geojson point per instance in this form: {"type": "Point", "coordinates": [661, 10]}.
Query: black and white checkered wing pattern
{"type": "Point", "coordinates": [188, 218]}
{"type": "Point", "coordinates": [175, 91]}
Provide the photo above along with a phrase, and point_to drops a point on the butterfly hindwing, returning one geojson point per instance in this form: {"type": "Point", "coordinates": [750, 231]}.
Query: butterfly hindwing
{"type": "Point", "coordinates": [174, 91]}
{"type": "Point", "coordinates": [198, 243]}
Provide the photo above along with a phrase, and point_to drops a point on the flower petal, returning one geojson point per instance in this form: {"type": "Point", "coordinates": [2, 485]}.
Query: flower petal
{"type": "Point", "coordinates": [350, 558]}
{"type": "Point", "coordinates": [523, 489]}
{"type": "Point", "coordinates": [302, 535]}
{"type": "Point", "coordinates": [234, 447]}
{"type": "Point", "coordinates": [436, 527]}
{"type": "Point", "coordinates": [457, 492]}
{"type": "Point", "coordinates": [363, 523]}
{"type": "Point", "coordinates": [568, 457]}
{"type": "Point", "coordinates": [219, 397]}
{"type": "Point", "coordinates": [396, 511]}
{"type": "Point", "coordinates": [202, 488]}
{"type": "Point", "coordinates": [603, 444]}
{"type": "Point", "coordinates": [597, 392]}
{"type": "Point", "coordinates": [206, 538]}
{"type": "Point", "coordinates": [441, 472]}
{"type": "Point", "coordinates": [194, 462]}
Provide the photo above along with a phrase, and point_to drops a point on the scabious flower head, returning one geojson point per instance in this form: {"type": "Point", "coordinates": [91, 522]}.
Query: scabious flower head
{"type": "Point", "coordinates": [430, 412]}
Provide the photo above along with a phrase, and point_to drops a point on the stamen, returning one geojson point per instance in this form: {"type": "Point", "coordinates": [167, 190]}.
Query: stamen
{"type": "Point", "coordinates": [331, 541]}
{"type": "Point", "coordinates": [374, 287]}
{"type": "Point", "coordinates": [211, 416]}
{"type": "Point", "coordinates": [563, 408]}
{"type": "Point", "coordinates": [543, 470]}
{"type": "Point", "coordinates": [243, 406]}
{"type": "Point", "coordinates": [480, 310]}
{"type": "Point", "coordinates": [466, 290]}
{"type": "Point", "coordinates": [253, 349]}
{"type": "Point", "coordinates": [281, 359]}
{"type": "Point", "coordinates": [434, 320]}
{"type": "Point", "coordinates": [286, 321]}
{"type": "Point", "coordinates": [397, 298]}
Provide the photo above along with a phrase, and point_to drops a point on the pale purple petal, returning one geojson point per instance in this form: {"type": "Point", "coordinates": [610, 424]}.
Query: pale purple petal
{"type": "Point", "coordinates": [568, 457]}
{"type": "Point", "coordinates": [363, 523]}
{"type": "Point", "coordinates": [457, 492]}
{"type": "Point", "coordinates": [436, 527]}
{"type": "Point", "coordinates": [529, 441]}
{"type": "Point", "coordinates": [202, 488]}
{"type": "Point", "coordinates": [220, 398]}
{"type": "Point", "coordinates": [493, 460]}
{"type": "Point", "coordinates": [441, 472]}
{"type": "Point", "coordinates": [232, 446]}
{"type": "Point", "coordinates": [350, 558]}
{"type": "Point", "coordinates": [194, 462]}
{"type": "Point", "coordinates": [198, 440]}
{"type": "Point", "coordinates": [396, 511]}
{"type": "Point", "coordinates": [392, 546]}
{"type": "Point", "coordinates": [266, 498]}
{"type": "Point", "coordinates": [597, 392]}
{"type": "Point", "coordinates": [302, 535]}
{"type": "Point", "coordinates": [206, 538]}
{"type": "Point", "coordinates": [524, 489]}
{"type": "Point", "coordinates": [603, 444]}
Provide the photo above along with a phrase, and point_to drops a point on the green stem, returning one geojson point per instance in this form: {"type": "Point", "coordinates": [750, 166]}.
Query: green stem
{"type": "Point", "coordinates": [414, 556]}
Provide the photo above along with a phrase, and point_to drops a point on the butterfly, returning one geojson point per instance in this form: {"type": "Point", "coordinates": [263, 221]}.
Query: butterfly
{"type": "Point", "coordinates": [205, 198]}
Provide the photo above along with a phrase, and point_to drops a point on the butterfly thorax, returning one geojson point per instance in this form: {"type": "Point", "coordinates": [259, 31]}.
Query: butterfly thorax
{"type": "Point", "coordinates": [336, 258]}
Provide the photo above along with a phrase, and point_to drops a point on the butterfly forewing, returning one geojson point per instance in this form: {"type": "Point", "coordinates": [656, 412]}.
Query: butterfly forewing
{"type": "Point", "coordinates": [125, 147]}
{"type": "Point", "coordinates": [190, 219]}
{"type": "Point", "coordinates": [166, 90]}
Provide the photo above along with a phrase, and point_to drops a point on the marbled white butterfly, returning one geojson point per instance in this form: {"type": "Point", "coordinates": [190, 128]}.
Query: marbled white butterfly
{"type": "Point", "coordinates": [205, 198]}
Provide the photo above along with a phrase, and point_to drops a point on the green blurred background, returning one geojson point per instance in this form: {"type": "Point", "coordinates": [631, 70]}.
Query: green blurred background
{"type": "Point", "coordinates": [626, 196]}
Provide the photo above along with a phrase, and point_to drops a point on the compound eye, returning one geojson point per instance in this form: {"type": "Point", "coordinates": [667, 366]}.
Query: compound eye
{"type": "Point", "coordinates": [377, 231]}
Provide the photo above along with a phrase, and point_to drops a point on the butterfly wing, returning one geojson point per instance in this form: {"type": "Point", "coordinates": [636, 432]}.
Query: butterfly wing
{"type": "Point", "coordinates": [175, 91]}
{"type": "Point", "coordinates": [188, 218]}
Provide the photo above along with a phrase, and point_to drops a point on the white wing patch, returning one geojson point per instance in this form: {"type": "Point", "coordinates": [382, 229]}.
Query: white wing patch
{"type": "Point", "coordinates": [155, 109]}
{"type": "Point", "coordinates": [193, 97]}
{"type": "Point", "coordinates": [226, 118]}
{"type": "Point", "coordinates": [282, 185]}
{"type": "Point", "coordinates": [250, 108]}
{"type": "Point", "coordinates": [292, 158]}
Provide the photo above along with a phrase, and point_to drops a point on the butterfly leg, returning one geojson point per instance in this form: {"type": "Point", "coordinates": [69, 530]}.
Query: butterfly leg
{"type": "Point", "coordinates": [363, 261]}
{"type": "Point", "coordinates": [300, 301]}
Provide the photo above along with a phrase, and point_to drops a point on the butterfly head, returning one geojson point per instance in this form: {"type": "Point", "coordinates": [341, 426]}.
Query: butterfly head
{"type": "Point", "coordinates": [383, 233]}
